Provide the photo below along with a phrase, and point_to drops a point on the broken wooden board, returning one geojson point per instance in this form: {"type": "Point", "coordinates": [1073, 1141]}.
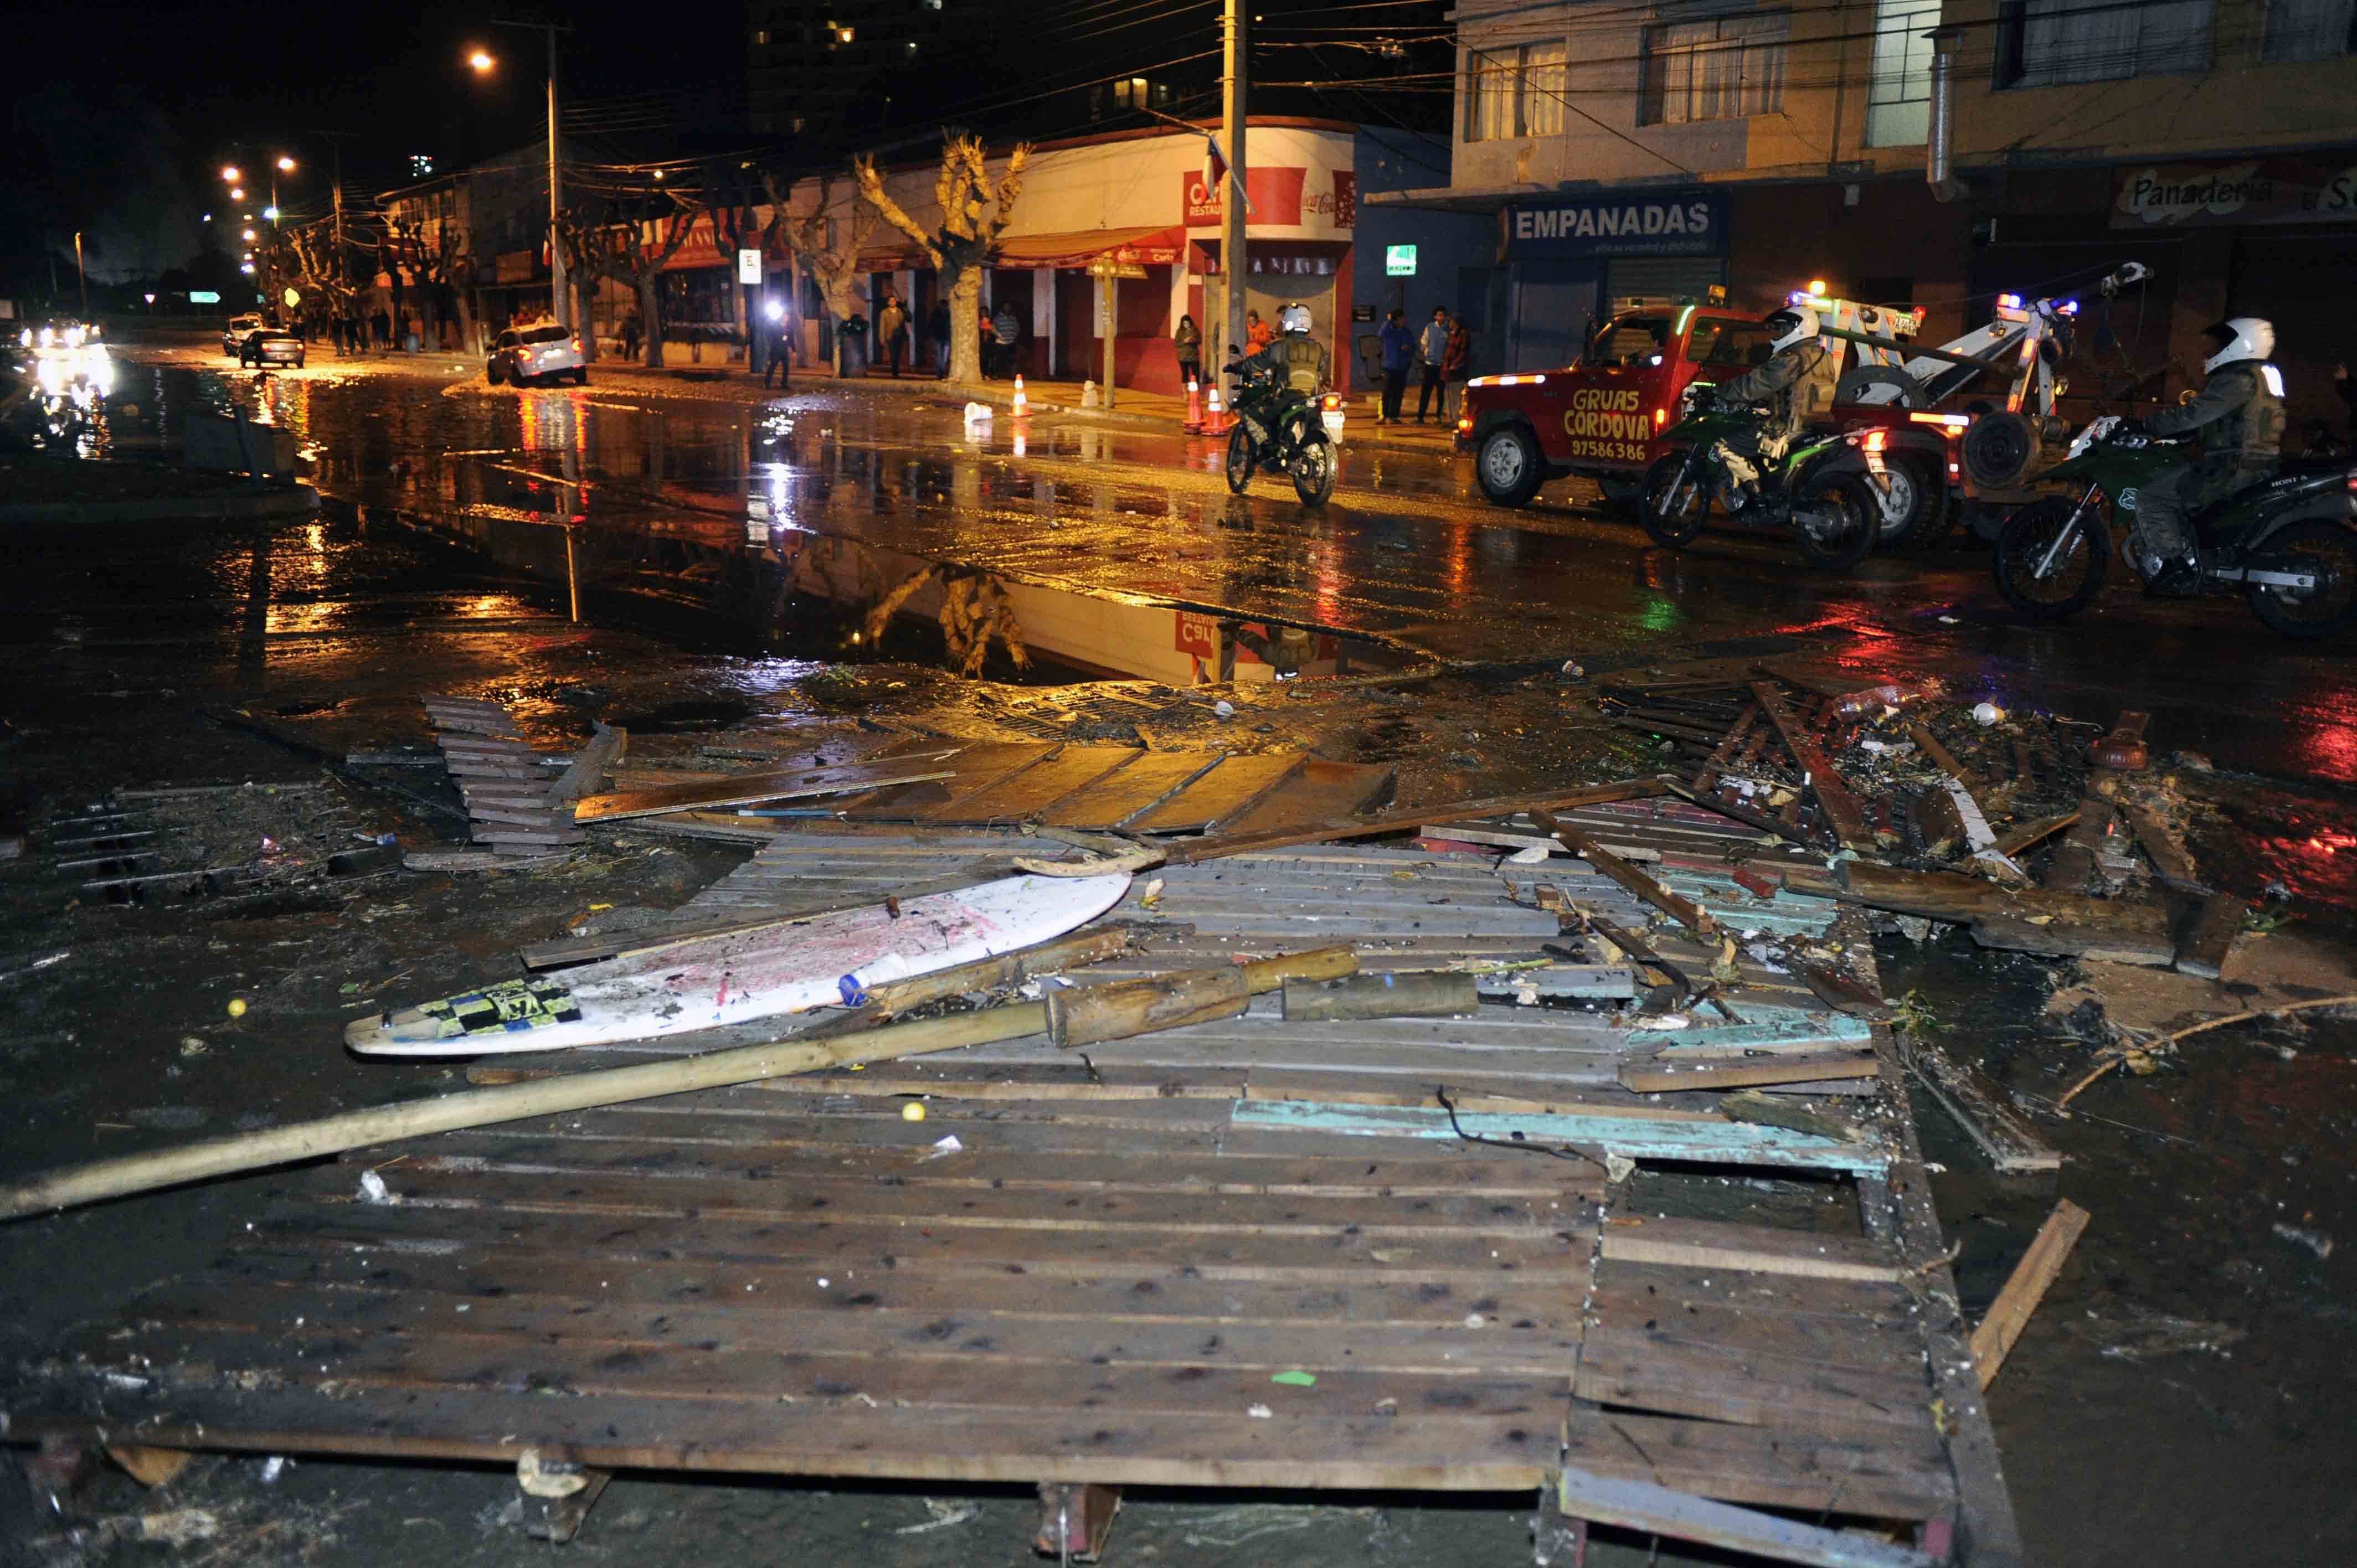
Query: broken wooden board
{"type": "Point", "coordinates": [2025, 1288]}
{"type": "Point", "coordinates": [2169, 861]}
{"type": "Point", "coordinates": [1710, 1142]}
{"type": "Point", "coordinates": [751, 789]}
{"type": "Point", "coordinates": [1225, 793]}
{"type": "Point", "coordinates": [2007, 1138]}
{"type": "Point", "coordinates": [2210, 939]}
{"type": "Point", "coordinates": [977, 767]}
{"type": "Point", "coordinates": [1653, 1509]}
{"type": "Point", "coordinates": [1320, 791]}
{"type": "Point", "coordinates": [1841, 807]}
{"type": "Point", "coordinates": [2015, 840]}
{"type": "Point", "coordinates": [1688, 914]}
{"type": "Point", "coordinates": [1112, 801]}
{"type": "Point", "coordinates": [1027, 795]}
{"type": "Point", "coordinates": [2032, 920]}
{"type": "Point", "coordinates": [2073, 865]}
{"type": "Point", "coordinates": [1399, 821]}
{"type": "Point", "coordinates": [586, 773]}
{"type": "Point", "coordinates": [1671, 1076]}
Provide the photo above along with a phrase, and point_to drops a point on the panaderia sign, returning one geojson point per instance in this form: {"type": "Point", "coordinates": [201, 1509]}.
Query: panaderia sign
{"type": "Point", "coordinates": [2251, 191]}
{"type": "Point", "coordinates": [1690, 223]}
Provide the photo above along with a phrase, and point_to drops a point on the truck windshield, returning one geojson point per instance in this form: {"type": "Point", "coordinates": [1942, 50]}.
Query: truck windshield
{"type": "Point", "coordinates": [1627, 340]}
{"type": "Point", "coordinates": [1740, 344]}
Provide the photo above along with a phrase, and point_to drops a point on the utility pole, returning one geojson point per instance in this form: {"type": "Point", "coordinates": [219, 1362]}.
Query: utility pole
{"type": "Point", "coordinates": [562, 307]}
{"type": "Point", "coordinates": [1231, 208]}
{"type": "Point", "coordinates": [84, 275]}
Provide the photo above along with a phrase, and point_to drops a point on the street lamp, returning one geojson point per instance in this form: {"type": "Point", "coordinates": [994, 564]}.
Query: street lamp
{"type": "Point", "coordinates": [230, 174]}
{"type": "Point", "coordinates": [286, 165]}
{"type": "Point", "coordinates": [482, 61]}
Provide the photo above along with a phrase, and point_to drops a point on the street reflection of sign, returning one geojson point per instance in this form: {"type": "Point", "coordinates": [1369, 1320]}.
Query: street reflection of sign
{"type": "Point", "coordinates": [1198, 635]}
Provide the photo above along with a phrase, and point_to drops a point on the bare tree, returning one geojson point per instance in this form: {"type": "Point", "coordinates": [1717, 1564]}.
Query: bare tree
{"type": "Point", "coordinates": [974, 213]}
{"type": "Point", "coordinates": [439, 259]}
{"type": "Point", "coordinates": [834, 267]}
{"type": "Point", "coordinates": [618, 245]}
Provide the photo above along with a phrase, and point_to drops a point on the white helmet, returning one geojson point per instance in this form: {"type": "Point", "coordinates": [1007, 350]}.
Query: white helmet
{"type": "Point", "coordinates": [1292, 319]}
{"type": "Point", "coordinates": [2240, 338]}
{"type": "Point", "coordinates": [1789, 325]}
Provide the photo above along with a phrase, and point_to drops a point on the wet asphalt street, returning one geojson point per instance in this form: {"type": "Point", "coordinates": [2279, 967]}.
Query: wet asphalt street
{"type": "Point", "coordinates": [660, 484]}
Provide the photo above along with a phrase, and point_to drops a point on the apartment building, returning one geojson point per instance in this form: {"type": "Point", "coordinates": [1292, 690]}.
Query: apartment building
{"type": "Point", "coordinates": [1925, 152]}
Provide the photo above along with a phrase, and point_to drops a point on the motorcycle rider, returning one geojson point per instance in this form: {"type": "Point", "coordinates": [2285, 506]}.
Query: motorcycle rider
{"type": "Point", "coordinates": [1296, 355]}
{"type": "Point", "coordinates": [2240, 415]}
{"type": "Point", "coordinates": [1794, 383]}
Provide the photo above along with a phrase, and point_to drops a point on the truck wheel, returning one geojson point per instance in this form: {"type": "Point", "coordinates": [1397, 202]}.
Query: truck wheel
{"type": "Point", "coordinates": [1915, 514]}
{"type": "Point", "coordinates": [1509, 467]}
{"type": "Point", "coordinates": [1999, 449]}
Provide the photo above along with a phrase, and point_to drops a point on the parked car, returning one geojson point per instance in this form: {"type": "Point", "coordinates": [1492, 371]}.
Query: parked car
{"type": "Point", "coordinates": [269, 346]}
{"type": "Point", "coordinates": [239, 329]}
{"type": "Point", "coordinates": [526, 354]}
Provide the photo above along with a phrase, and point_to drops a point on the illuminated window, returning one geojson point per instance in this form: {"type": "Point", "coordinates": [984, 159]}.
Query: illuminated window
{"type": "Point", "coordinates": [1131, 93]}
{"type": "Point", "coordinates": [760, 35]}
{"type": "Point", "coordinates": [1514, 92]}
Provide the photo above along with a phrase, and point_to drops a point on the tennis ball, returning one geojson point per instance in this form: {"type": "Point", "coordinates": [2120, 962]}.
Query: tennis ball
{"type": "Point", "coordinates": [237, 1006]}
{"type": "Point", "coordinates": [914, 1111]}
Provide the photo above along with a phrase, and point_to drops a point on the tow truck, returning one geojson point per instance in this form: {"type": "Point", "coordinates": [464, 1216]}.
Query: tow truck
{"type": "Point", "coordinates": [1601, 417]}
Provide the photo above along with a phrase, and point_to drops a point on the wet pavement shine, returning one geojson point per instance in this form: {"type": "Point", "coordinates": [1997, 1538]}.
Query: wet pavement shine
{"type": "Point", "coordinates": [700, 508]}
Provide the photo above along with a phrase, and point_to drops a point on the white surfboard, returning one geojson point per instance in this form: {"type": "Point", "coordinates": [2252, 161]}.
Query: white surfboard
{"type": "Point", "coordinates": [742, 978]}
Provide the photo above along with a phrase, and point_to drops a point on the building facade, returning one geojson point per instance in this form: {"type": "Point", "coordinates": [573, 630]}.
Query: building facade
{"type": "Point", "coordinates": [1657, 149]}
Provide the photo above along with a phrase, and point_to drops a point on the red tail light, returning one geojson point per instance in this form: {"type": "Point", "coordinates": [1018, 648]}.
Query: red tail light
{"type": "Point", "coordinates": [1877, 440]}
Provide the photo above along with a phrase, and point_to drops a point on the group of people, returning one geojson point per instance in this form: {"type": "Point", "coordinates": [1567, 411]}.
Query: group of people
{"type": "Point", "coordinates": [1001, 333]}
{"type": "Point", "coordinates": [1442, 352]}
{"type": "Point", "coordinates": [358, 333]}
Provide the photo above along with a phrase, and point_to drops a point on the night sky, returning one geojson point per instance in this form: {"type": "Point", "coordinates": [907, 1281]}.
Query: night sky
{"type": "Point", "coordinates": [122, 115]}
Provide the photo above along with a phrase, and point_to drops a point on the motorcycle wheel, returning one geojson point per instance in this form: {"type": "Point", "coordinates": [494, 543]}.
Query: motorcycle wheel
{"type": "Point", "coordinates": [1313, 468]}
{"type": "Point", "coordinates": [1240, 459]}
{"type": "Point", "coordinates": [1836, 521]}
{"type": "Point", "coordinates": [1673, 504]}
{"type": "Point", "coordinates": [2327, 548]}
{"type": "Point", "coordinates": [2074, 580]}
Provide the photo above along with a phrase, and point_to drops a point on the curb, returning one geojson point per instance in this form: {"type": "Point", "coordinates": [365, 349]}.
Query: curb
{"type": "Point", "coordinates": [231, 505]}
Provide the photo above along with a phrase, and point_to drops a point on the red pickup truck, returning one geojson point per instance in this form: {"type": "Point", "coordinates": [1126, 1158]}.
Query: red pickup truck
{"type": "Point", "coordinates": [1601, 418]}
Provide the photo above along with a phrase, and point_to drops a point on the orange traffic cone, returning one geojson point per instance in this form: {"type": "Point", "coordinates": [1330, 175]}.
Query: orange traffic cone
{"type": "Point", "coordinates": [1022, 403]}
{"type": "Point", "coordinates": [1194, 425]}
{"type": "Point", "coordinates": [1215, 421]}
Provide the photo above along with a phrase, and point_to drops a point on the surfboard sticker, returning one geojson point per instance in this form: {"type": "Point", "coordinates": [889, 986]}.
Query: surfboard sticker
{"type": "Point", "coordinates": [509, 1007]}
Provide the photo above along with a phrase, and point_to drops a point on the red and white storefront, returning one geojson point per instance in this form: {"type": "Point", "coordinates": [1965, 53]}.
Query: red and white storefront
{"type": "Point", "coordinates": [1148, 198]}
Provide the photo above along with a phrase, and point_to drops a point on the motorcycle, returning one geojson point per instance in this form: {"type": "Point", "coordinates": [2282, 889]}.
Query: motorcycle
{"type": "Point", "coordinates": [1281, 429]}
{"type": "Point", "coordinates": [2286, 541]}
{"type": "Point", "coordinates": [1820, 488]}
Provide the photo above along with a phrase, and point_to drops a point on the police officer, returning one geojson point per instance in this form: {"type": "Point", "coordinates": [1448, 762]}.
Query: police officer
{"type": "Point", "coordinates": [2240, 415]}
{"type": "Point", "coordinates": [1790, 385]}
{"type": "Point", "coordinates": [1297, 356]}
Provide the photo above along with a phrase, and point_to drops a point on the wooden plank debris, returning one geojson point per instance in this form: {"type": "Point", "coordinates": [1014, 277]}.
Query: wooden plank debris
{"type": "Point", "coordinates": [2210, 939]}
{"type": "Point", "coordinates": [751, 789]}
{"type": "Point", "coordinates": [1692, 916]}
{"type": "Point", "coordinates": [2028, 921]}
{"type": "Point", "coordinates": [2026, 835]}
{"type": "Point", "coordinates": [1653, 1509]}
{"type": "Point", "coordinates": [2073, 865]}
{"type": "Point", "coordinates": [2169, 861]}
{"type": "Point", "coordinates": [1227, 793]}
{"type": "Point", "coordinates": [586, 773]}
{"type": "Point", "coordinates": [1841, 807]}
{"type": "Point", "coordinates": [1028, 794]}
{"type": "Point", "coordinates": [1335, 830]}
{"type": "Point", "coordinates": [2008, 1139]}
{"type": "Point", "coordinates": [2025, 1288]}
{"type": "Point", "coordinates": [1110, 801]}
{"type": "Point", "coordinates": [1667, 1077]}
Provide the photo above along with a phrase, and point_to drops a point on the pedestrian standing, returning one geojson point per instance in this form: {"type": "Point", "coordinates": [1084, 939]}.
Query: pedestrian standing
{"type": "Point", "coordinates": [1189, 341]}
{"type": "Point", "coordinates": [780, 346]}
{"type": "Point", "coordinates": [989, 343]}
{"type": "Point", "coordinates": [384, 325]}
{"type": "Point", "coordinates": [937, 328]}
{"type": "Point", "coordinates": [1455, 365]}
{"type": "Point", "coordinates": [1257, 333]}
{"type": "Point", "coordinates": [1007, 327]}
{"type": "Point", "coordinates": [893, 332]}
{"type": "Point", "coordinates": [632, 329]}
{"type": "Point", "coordinates": [1399, 351]}
{"type": "Point", "coordinates": [1432, 352]}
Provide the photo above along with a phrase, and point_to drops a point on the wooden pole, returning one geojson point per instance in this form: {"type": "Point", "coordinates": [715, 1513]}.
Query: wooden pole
{"type": "Point", "coordinates": [1993, 1340]}
{"type": "Point", "coordinates": [615, 1086]}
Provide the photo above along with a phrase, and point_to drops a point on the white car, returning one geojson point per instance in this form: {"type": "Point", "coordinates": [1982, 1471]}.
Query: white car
{"type": "Point", "coordinates": [239, 329]}
{"type": "Point", "coordinates": [527, 354]}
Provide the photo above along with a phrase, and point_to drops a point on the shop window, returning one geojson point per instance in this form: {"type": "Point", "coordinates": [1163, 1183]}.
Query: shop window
{"type": "Point", "coordinates": [1727, 67]}
{"type": "Point", "coordinates": [2054, 43]}
{"type": "Point", "coordinates": [1514, 92]}
{"type": "Point", "coordinates": [2310, 29]}
{"type": "Point", "coordinates": [1898, 94]}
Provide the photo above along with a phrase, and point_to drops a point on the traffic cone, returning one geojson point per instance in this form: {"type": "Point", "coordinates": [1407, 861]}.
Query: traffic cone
{"type": "Point", "coordinates": [1215, 422]}
{"type": "Point", "coordinates": [1194, 425]}
{"type": "Point", "coordinates": [1022, 403]}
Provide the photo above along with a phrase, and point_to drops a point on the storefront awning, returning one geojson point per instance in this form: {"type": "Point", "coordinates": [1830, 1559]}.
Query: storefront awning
{"type": "Point", "coordinates": [1144, 246]}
